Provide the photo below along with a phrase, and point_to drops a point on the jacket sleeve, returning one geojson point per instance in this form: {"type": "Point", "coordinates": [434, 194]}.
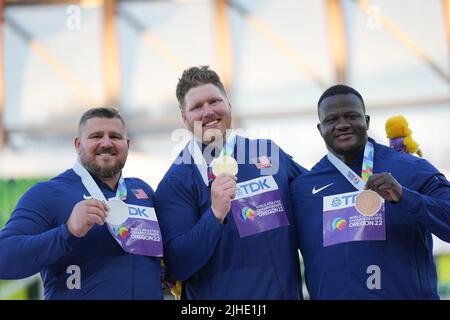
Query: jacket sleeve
{"type": "Point", "coordinates": [190, 237]}
{"type": "Point", "coordinates": [294, 168]}
{"type": "Point", "coordinates": [430, 205]}
{"type": "Point", "coordinates": [29, 242]}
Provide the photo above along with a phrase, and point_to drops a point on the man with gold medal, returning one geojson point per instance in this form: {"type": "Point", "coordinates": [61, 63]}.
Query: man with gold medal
{"type": "Point", "coordinates": [365, 214]}
{"type": "Point", "coordinates": [224, 207]}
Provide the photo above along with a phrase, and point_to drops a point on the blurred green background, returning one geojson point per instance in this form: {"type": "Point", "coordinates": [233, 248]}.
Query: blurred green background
{"type": "Point", "coordinates": [30, 288]}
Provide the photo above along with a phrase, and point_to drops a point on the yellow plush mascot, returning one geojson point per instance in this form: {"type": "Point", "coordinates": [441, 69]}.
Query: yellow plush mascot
{"type": "Point", "coordinates": [400, 136]}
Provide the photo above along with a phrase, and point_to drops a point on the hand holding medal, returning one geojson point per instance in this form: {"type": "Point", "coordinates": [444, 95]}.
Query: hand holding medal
{"type": "Point", "coordinates": [85, 214]}
{"type": "Point", "coordinates": [223, 189]}
{"type": "Point", "coordinates": [371, 186]}
{"type": "Point", "coordinates": [386, 186]}
{"type": "Point", "coordinates": [113, 211]}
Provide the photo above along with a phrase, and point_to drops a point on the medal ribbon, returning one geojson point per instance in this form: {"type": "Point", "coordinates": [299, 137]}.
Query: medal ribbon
{"type": "Point", "coordinates": [366, 170]}
{"type": "Point", "coordinates": [93, 188]}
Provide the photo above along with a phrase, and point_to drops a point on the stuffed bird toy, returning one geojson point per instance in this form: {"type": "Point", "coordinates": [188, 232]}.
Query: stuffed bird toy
{"type": "Point", "coordinates": [400, 136]}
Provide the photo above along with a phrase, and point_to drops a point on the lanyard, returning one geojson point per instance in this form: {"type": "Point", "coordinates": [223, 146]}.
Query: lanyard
{"type": "Point", "coordinates": [199, 160]}
{"type": "Point", "coordinates": [349, 174]}
{"type": "Point", "coordinates": [93, 188]}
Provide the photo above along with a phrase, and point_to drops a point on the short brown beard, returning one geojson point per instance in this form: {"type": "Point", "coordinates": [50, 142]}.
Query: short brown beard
{"type": "Point", "coordinates": [104, 172]}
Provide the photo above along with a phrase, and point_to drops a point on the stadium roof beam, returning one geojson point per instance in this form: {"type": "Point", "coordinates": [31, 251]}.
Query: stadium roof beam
{"type": "Point", "coordinates": [295, 57]}
{"type": "Point", "coordinates": [446, 9]}
{"type": "Point", "coordinates": [35, 2]}
{"type": "Point", "coordinates": [405, 40]}
{"type": "Point", "coordinates": [154, 42]}
{"type": "Point", "coordinates": [145, 125]}
{"type": "Point", "coordinates": [224, 49]}
{"type": "Point", "coordinates": [51, 2]}
{"type": "Point", "coordinates": [224, 52]}
{"type": "Point", "coordinates": [337, 39]}
{"type": "Point", "coordinates": [111, 70]}
{"type": "Point", "coordinates": [135, 126]}
{"type": "Point", "coordinates": [3, 139]}
{"type": "Point", "coordinates": [53, 62]}
{"type": "Point", "coordinates": [374, 106]}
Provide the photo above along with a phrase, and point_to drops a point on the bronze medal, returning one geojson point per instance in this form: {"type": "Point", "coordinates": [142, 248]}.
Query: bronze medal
{"type": "Point", "coordinates": [368, 203]}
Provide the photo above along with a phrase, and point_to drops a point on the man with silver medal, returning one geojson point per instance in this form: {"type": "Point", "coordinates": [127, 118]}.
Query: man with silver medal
{"type": "Point", "coordinates": [76, 228]}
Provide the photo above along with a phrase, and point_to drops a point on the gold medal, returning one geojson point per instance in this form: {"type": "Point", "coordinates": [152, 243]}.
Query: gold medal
{"type": "Point", "coordinates": [225, 164]}
{"type": "Point", "coordinates": [117, 213]}
{"type": "Point", "coordinates": [368, 203]}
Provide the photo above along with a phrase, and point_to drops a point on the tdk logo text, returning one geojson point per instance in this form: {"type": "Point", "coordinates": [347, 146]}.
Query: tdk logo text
{"type": "Point", "coordinates": [137, 212]}
{"type": "Point", "coordinates": [339, 201]}
{"type": "Point", "coordinates": [344, 200]}
{"type": "Point", "coordinates": [140, 212]}
{"type": "Point", "coordinates": [255, 186]}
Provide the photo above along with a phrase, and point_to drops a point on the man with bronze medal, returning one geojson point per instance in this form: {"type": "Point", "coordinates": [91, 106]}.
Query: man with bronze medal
{"type": "Point", "coordinates": [365, 214]}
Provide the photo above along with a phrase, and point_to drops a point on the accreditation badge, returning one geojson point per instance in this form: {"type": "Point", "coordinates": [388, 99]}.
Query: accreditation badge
{"type": "Point", "coordinates": [342, 222]}
{"type": "Point", "coordinates": [135, 228]}
{"type": "Point", "coordinates": [258, 206]}
{"type": "Point", "coordinates": [139, 233]}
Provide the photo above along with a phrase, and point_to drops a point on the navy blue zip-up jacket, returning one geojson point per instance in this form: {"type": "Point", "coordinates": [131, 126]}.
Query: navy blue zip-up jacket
{"type": "Point", "coordinates": [36, 239]}
{"type": "Point", "coordinates": [209, 257]}
{"type": "Point", "coordinates": [405, 259]}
